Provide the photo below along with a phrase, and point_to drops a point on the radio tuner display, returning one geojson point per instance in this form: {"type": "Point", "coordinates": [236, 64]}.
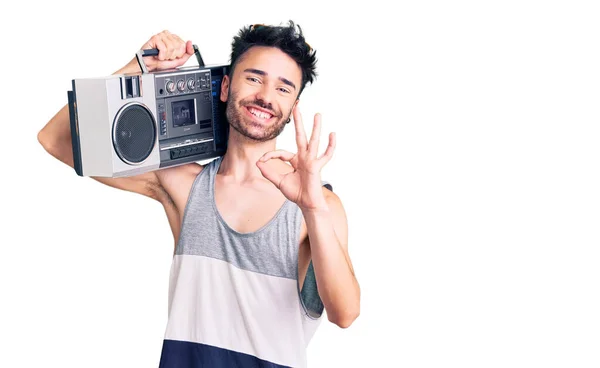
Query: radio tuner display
{"type": "Point", "coordinates": [183, 113]}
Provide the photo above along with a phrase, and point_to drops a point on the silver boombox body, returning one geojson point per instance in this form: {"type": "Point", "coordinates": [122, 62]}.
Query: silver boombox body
{"type": "Point", "coordinates": [127, 124]}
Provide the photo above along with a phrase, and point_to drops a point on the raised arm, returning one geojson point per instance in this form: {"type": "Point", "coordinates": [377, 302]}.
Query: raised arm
{"type": "Point", "coordinates": [55, 136]}
{"type": "Point", "coordinates": [163, 185]}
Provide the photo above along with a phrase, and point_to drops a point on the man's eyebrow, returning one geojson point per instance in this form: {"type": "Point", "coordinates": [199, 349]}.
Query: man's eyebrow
{"type": "Point", "coordinates": [262, 72]}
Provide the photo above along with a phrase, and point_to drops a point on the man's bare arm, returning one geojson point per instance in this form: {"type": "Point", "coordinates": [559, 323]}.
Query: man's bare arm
{"type": "Point", "coordinates": [336, 281]}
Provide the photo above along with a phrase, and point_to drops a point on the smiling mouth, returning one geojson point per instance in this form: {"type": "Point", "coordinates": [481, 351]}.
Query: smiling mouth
{"type": "Point", "coordinates": [258, 114]}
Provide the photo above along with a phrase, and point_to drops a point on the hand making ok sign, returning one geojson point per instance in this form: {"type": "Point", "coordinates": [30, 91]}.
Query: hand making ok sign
{"type": "Point", "coordinates": [303, 185]}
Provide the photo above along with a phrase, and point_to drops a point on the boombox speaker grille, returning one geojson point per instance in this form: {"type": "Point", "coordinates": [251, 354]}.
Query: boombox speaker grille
{"type": "Point", "coordinates": [134, 133]}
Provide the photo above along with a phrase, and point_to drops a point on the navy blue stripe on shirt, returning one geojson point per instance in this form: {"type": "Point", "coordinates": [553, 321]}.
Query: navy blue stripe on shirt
{"type": "Point", "coordinates": [184, 354]}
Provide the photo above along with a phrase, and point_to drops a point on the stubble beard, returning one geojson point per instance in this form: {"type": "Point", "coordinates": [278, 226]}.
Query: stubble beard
{"type": "Point", "coordinates": [235, 118]}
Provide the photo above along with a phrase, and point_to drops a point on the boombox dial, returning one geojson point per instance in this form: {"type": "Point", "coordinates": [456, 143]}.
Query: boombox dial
{"type": "Point", "coordinates": [181, 85]}
{"type": "Point", "coordinates": [191, 83]}
{"type": "Point", "coordinates": [170, 86]}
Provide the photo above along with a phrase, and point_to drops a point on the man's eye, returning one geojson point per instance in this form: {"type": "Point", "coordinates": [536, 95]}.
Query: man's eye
{"type": "Point", "coordinates": [252, 79]}
{"type": "Point", "coordinates": [284, 90]}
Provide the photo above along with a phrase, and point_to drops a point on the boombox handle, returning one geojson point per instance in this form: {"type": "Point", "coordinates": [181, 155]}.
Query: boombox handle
{"type": "Point", "coordinates": [154, 52]}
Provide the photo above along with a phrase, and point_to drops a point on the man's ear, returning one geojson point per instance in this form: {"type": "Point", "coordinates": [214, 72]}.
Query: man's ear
{"type": "Point", "coordinates": [225, 88]}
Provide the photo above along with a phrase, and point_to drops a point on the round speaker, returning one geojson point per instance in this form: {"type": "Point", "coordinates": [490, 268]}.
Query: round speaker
{"type": "Point", "coordinates": [134, 133]}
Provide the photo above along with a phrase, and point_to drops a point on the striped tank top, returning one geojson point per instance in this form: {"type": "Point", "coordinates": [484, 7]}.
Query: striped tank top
{"type": "Point", "coordinates": [234, 299]}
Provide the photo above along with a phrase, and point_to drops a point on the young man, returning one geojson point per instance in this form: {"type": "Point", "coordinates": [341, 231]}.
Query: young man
{"type": "Point", "coordinates": [256, 231]}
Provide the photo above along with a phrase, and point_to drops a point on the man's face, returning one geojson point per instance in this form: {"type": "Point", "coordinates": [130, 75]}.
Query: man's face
{"type": "Point", "coordinates": [262, 92]}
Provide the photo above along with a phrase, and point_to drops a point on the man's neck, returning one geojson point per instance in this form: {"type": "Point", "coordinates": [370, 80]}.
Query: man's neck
{"type": "Point", "coordinates": [239, 162]}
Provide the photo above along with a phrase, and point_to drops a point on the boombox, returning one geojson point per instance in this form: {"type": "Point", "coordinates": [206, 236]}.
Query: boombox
{"type": "Point", "coordinates": [127, 124]}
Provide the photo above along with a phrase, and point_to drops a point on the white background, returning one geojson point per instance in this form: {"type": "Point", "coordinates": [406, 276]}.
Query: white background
{"type": "Point", "coordinates": [468, 163]}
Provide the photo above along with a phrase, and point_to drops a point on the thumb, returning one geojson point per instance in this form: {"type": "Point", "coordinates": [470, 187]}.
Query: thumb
{"type": "Point", "coordinates": [189, 48]}
{"type": "Point", "coordinates": [189, 51]}
{"type": "Point", "coordinates": [183, 59]}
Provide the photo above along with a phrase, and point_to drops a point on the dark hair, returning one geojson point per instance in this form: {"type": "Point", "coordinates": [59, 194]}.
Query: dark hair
{"type": "Point", "coordinates": [286, 38]}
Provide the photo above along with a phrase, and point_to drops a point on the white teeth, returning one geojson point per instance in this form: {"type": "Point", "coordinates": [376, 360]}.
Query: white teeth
{"type": "Point", "coordinates": [260, 114]}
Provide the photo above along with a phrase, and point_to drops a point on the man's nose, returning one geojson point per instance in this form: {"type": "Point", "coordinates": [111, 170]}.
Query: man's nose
{"type": "Point", "coordinates": [265, 94]}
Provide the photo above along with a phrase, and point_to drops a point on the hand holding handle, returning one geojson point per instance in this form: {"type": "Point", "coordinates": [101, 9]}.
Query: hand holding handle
{"type": "Point", "coordinates": [154, 52]}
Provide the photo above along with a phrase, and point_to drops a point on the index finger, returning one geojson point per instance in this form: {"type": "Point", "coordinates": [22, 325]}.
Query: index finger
{"type": "Point", "coordinates": [162, 49]}
{"type": "Point", "coordinates": [300, 133]}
